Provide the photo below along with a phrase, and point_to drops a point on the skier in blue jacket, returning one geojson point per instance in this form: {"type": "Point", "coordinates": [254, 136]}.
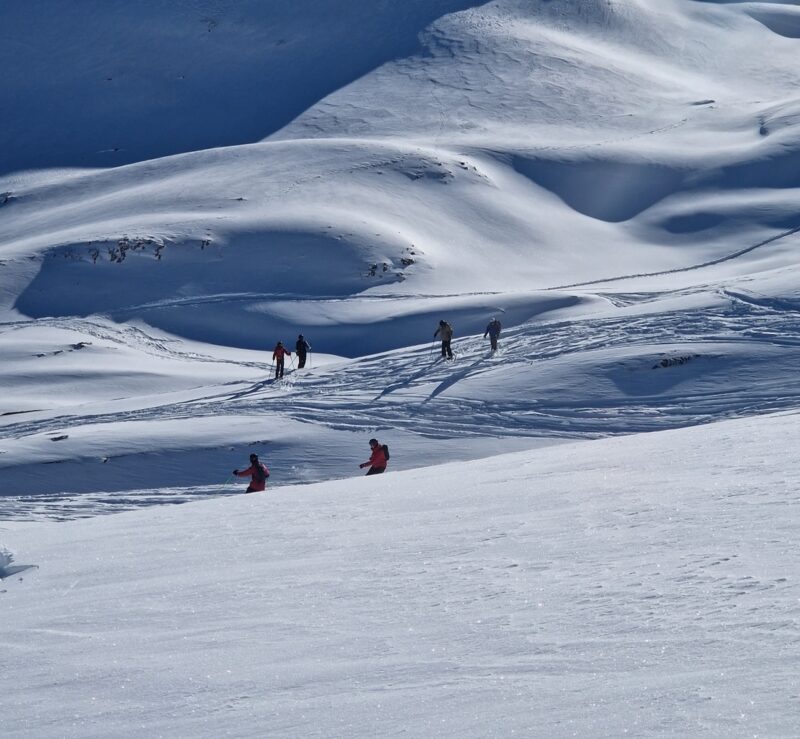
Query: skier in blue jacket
{"type": "Point", "coordinates": [493, 330]}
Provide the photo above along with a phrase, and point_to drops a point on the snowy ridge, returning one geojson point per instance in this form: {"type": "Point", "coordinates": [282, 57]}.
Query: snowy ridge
{"type": "Point", "coordinates": [590, 532]}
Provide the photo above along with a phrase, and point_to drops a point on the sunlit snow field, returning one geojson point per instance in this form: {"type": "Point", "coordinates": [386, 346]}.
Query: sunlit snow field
{"type": "Point", "coordinates": [591, 532]}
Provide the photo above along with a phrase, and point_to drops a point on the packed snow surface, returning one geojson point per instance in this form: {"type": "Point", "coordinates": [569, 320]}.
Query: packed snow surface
{"type": "Point", "coordinates": [590, 532]}
{"type": "Point", "coordinates": [640, 585]}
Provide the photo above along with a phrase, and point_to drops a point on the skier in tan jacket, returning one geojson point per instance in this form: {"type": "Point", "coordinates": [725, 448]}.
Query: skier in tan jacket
{"type": "Point", "coordinates": [445, 332]}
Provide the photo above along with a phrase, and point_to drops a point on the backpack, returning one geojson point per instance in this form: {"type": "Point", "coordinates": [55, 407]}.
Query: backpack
{"type": "Point", "coordinates": [385, 451]}
{"type": "Point", "coordinates": [261, 473]}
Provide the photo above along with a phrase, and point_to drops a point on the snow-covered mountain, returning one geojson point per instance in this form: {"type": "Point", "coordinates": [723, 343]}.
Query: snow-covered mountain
{"type": "Point", "coordinates": [184, 184]}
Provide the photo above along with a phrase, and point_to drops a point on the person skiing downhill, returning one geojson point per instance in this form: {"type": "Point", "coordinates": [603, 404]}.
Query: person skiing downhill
{"type": "Point", "coordinates": [258, 475]}
{"type": "Point", "coordinates": [278, 357]}
{"type": "Point", "coordinates": [378, 459]}
{"type": "Point", "coordinates": [445, 332]}
{"type": "Point", "coordinates": [493, 329]}
{"type": "Point", "coordinates": [302, 347]}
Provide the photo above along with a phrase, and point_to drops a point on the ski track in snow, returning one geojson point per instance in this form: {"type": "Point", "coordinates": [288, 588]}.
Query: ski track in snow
{"type": "Point", "coordinates": [124, 335]}
{"type": "Point", "coordinates": [639, 586]}
{"type": "Point", "coordinates": [690, 268]}
{"type": "Point", "coordinates": [360, 395]}
{"type": "Point", "coordinates": [68, 507]}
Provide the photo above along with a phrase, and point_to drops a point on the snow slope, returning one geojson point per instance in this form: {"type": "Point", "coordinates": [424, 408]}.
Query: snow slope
{"type": "Point", "coordinates": [616, 181]}
{"type": "Point", "coordinates": [525, 146]}
{"type": "Point", "coordinates": [101, 84]}
{"type": "Point", "coordinates": [590, 532]}
{"type": "Point", "coordinates": [644, 586]}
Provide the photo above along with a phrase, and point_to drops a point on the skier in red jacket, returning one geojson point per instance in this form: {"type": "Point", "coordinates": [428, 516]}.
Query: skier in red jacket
{"type": "Point", "coordinates": [258, 473]}
{"type": "Point", "coordinates": [378, 459]}
{"type": "Point", "coordinates": [277, 356]}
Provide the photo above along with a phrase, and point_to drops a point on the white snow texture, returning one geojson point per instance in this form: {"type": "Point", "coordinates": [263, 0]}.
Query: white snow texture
{"type": "Point", "coordinates": [590, 532]}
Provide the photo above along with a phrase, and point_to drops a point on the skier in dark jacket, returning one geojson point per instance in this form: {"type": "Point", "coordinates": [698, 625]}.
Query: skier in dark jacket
{"type": "Point", "coordinates": [278, 356]}
{"type": "Point", "coordinates": [377, 460]}
{"type": "Point", "coordinates": [445, 331]}
{"type": "Point", "coordinates": [493, 329]}
{"type": "Point", "coordinates": [258, 475]}
{"type": "Point", "coordinates": [302, 347]}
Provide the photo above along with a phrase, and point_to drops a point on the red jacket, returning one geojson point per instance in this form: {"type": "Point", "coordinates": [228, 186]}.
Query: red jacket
{"type": "Point", "coordinates": [256, 485]}
{"type": "Point", "coordinates": [280, 352]}
{"type": "Point", "coordinates": [378, 457]}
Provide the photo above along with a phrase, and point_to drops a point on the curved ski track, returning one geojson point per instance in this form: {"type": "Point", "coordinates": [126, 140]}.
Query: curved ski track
{"type": "Point", "coordinates": [417, 391]}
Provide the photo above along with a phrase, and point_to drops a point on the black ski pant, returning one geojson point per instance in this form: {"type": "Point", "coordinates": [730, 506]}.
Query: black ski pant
{"type": "Point", "coordinates": [446, 350]}
{"type": "Point", "coordinates": [375, 470]}
{"type": "Point", "coordinates": [301, 359]}
{"type": "Point", "coordinates": [278, 368]}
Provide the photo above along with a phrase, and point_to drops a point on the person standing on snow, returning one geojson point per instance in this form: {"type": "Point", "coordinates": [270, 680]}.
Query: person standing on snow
{"type": "Point", "coordinates": [493, 329]}
{"type": "Point", "coordinates": [378, 459]}
{"type": "Point", "coordinates": [258, 475]}
{"type": "Point", "coordinates": [445, 332]}
{"type": "Point", "coordinates": [278, 357]}
{"type": "Point", "coordinates": [302, 347]}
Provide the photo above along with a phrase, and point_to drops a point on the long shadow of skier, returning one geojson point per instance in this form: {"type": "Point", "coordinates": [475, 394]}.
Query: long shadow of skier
{"type": "Point", "coordinates": [252, 390]}
{"type": "Point", "coordinates": [225, 395]}
{"type": "Point", "coordinates": [453, 379]}
{"type": "Point", "coordinates": [405, 382]}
